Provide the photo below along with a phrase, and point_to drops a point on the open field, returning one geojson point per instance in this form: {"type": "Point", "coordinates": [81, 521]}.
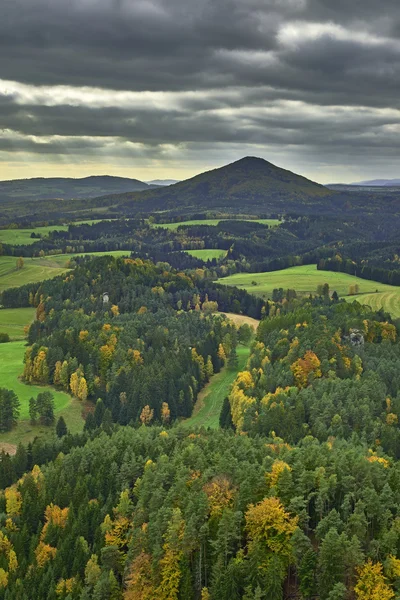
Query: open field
{"type": "Point", "coordinates": [11, 361]}
{"type": "Point", "coordinates": [38, 269]}
{"type": "Point", "coordinates": [35, 269]}
{"type": "Point", "coordinates": [16, 237]}
{"type": "Point", "coordinates": [207, 254]}
{"type": "Point", "coordinates": [210, 400]}
{"type": "Point", "coordinates": [13, 321]}
{"type": "Point", "coordinates": [270, 222]}
{"type": "Point", "coordinates": [242, 319]}
{"type": "Point", "coordinates": [389, 301]}
{"type": "Point", "coordinates": [305, 280]}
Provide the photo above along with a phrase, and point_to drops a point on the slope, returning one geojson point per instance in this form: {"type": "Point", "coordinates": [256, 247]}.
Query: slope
{"type": "Point", "coordinates": [250, 184]}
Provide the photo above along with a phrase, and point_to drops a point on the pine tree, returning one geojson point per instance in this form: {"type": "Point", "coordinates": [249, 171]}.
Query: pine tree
{"type": "Point", "coordinates": [61, 427]}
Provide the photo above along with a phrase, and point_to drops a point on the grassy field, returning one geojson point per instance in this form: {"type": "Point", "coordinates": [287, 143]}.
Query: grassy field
{"type": "Point", "coordinates": [35, 269]}
{"type": "Point", "coordinates": [305, 280]}
{"type": "Point", "coordinates": [11, 361]}
{"type": "Point", "coordinates": [207, 254]}
{"type": "Point", "coordinates": [270, 222]}
{"type": "Point", "coordinates": [16, 237]}
{"type": "Point", "coordinates": [209, 402]}
{"type": "Point", "coordinates": [13, 321]}
{"type": "Point", "coordinates": [38, 269]}
{"type": "Point", "coordinates": [389, 301]}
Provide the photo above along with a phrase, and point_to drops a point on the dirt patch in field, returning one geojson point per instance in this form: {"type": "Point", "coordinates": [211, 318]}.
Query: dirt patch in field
{"type": "Point", "coordinates": [241, 319]}
{"type": "Point", "coordinates": [10, 449]}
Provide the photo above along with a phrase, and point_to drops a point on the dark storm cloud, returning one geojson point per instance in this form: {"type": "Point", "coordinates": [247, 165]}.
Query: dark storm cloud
{"type": "Point", "coordinates": [311, 76]}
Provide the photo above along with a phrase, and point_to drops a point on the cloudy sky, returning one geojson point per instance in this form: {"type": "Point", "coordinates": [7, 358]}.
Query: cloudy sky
{"type": "Point", "coordinates": [169, 88]}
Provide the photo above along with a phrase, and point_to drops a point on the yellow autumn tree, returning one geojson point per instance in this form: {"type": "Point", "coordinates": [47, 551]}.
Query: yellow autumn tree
{"type": "Point", "coordinates": [371, 583]}
{"type": "Point", "coordinates": [306, 368]}
{"type": "Point", "coordinates": [44, 553]}
{"type": "Point", "coordinates": [139, 584]}
{"type": "Point", "coordinates": [219, 494]}
{"type": "Point", "coordinates": [3, 578]}
{"type": "Point", "coordinates": [74, 384]}
{"type": "Point", "coordinates": [165, 413]}
{"type": "Point", "coordinates": [270, 529]}
{"type": "Point", "coordinates": [278, 467]}
{"type": "Point", "coordinates": [13, 502]}
{"type": "Point", "coordinates": [82, 390]}
{"type": "Point", "coordinates": [147, 414]}
{"type": "Point", "coordinates": [170, 563]}
{"type": "Point", "coordinates": [221, 353]}
{"type": "Point", "coordinates": [115, 310]}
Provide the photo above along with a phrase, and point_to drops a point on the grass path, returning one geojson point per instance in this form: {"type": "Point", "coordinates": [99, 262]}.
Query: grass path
{"type": "Point", "coordinates": [209, 402]}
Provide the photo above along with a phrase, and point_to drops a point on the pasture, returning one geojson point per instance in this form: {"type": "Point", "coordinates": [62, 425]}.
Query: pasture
{"type": "Point", "coordinates": [13, 321]}
{"type": "Point", "coordinates": [207, 254]}
{"type": "Point", "coordinates": [304, 280]}
{"type": "Point", "coordinates": [173, 226]}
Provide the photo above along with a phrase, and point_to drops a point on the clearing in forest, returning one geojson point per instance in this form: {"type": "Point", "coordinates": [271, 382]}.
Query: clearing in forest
{"type": "Point", "coordinates": [304, 280]}
{"type": "Point", "coordinates": [209, 402]}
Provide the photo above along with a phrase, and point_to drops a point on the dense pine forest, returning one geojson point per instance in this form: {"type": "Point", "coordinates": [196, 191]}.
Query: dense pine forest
{"type": "Point", "coordinates": [295, 496]}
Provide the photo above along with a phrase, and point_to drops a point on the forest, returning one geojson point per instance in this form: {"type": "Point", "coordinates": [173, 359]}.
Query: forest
{"type": "Point", "coordinates": [294, 496]}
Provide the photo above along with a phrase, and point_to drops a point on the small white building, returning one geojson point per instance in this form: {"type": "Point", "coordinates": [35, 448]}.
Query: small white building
{"type": "Point", "coordinates": [105, 298]}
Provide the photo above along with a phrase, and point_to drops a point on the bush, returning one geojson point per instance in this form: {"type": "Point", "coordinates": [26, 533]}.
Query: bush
{"type": "Point", "coordinates": [4, 338]}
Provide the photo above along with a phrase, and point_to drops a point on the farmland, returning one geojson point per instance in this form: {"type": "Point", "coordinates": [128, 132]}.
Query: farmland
{"type": "Point", "coordinates": [304, 280]}
{"type": "Point", "coordinates": [269, 222]}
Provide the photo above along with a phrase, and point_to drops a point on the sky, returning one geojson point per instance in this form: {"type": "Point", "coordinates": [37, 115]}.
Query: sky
{"type": "Point", "coordinates": [170, 88]}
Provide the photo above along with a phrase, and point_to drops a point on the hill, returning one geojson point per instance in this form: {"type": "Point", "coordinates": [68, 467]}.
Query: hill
{"type": "Point", "coordinates": [252, 184]}
{"type": "Point", "coordinates": [41, 188]}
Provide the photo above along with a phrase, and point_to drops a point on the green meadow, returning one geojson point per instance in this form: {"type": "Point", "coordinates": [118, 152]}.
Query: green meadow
{"type": "Point", "coordinates": [13, 321]}
{"type": "Point", "coordinates": [207, 254]}
{"type": "Point", "coordinates": [389, 301]}
{"type": "Point", "coordinates": [18, 237]}
{"type": "Point", "coordinates": [11, 361]}
{"type": "Point", "coordinates": [38, 269]}
{"type": "Point", "coordinates": [269, 222]}
{"type": "Point", "coordinates": [304, 280]}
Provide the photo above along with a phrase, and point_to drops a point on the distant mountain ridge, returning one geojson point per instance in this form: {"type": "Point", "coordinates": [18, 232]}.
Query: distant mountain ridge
{"type": "Point", "coordinates": [66, 188]}
{"type": "Point", "coordinates": [163, 181]}
{"type": "Point", "coordinates": [380, 182]}
{"type": "Point", "coordinates": [248, 184]}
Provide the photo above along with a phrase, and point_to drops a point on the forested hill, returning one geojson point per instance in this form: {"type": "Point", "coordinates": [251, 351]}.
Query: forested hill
{"type": "Point", "coordinates": [250, 183]}
{"type": "Point", "coordinates": [66, 188]}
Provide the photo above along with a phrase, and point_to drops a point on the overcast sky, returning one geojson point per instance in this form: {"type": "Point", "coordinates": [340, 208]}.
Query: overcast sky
{"type": "Point", "coordinates": [169, 88]}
